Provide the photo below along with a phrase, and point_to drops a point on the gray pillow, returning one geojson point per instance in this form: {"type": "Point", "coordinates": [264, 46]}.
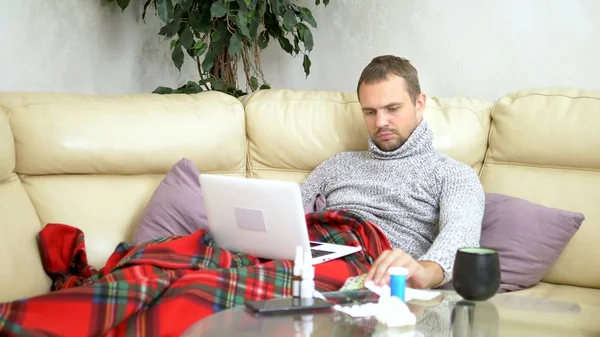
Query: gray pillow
{"type": "Point", "coordinates": [176, 206]}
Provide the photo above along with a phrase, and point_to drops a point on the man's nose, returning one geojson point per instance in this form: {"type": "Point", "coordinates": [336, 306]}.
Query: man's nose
{"type": "Point", "coordinates": [381, 119]}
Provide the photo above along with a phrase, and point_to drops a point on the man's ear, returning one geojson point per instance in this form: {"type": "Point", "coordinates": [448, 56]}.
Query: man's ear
{"type": "Point", "coordinates": [420, 105]}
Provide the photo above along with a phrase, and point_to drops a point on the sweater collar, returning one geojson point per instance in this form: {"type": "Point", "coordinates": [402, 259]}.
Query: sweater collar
{"type": "Point", "coordinates": [420, 141]}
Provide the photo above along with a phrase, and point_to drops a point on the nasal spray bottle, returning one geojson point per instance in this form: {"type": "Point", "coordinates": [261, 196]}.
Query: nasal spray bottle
{"type": "Point", "coordinates": [307, 285]}
{"type": "Point", "coordinates": [297, 273]}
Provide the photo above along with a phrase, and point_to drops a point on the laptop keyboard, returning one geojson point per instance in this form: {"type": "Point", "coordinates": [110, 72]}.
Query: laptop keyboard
{"type": "Point", "coordinates": [318, 252]}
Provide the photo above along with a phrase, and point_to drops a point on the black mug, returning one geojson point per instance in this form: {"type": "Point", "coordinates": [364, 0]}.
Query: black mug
{"type": "Point", "coordinates": [476, 273]}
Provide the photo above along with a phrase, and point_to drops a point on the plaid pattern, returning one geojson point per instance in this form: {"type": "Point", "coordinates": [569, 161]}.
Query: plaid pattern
{"type": "Point", "coordinates": [161, 287]}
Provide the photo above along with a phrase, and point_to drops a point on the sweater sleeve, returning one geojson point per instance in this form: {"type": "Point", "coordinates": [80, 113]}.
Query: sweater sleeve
{"type": "Point", "coordinates": [316, 180]}
{"type": "Point", "coordinates": [462, 204]}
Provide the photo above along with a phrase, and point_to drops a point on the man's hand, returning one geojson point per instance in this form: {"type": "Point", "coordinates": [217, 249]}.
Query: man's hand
{"type": "Point", "coordinates": [421, 275]}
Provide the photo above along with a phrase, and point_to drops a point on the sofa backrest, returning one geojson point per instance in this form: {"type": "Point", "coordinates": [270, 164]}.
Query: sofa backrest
{"type": "Point", "coordinates": [94, 161]}
{"type": "Point", "coordinates": [544, 146]}
{"type": "Point", "coordinates": [290, 132]}
{"type": "Point", "coordinates": [21, 272]}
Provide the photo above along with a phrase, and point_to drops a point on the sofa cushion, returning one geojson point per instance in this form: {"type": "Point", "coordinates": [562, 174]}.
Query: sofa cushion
{"type": "Point", "coordinates": [21, 272]}
{"type": "Point", "coordinates": [529, 237]}
{"type": "Point", "coordinates": [549, 310]}
{"type": "Point", "coordinates": [93, 161]}
{"type": "Point", "coordinates": [543, 147]}
{"type": "Point", "coordinates": [176, 206]}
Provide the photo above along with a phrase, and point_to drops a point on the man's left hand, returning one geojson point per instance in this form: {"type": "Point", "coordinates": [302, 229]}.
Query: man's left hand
{"type": "Point", "coordinates": [425, 274]}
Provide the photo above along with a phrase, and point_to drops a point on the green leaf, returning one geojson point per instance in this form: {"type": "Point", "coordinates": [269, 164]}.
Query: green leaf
{"type": "Point", "coordinates": [254, 26]}
{"type": "Point", "coordinates": [218, 84]}
{"type": "Point", "coordinates": [253, 83]}
{"type": "Point", "coordinates": [220, 38]}
{"type": "Point", "coordinates": [145, 10]}
{"type": "Point", "coordinates": [200, 21]}
{"type": "Point", "coordinates": [306, 36]}
{"type": "Point", "coordinates": [191, 87]}
{"type": "Point", "coordinates": [265, 86]}
{"type": "Point", "coordinates": [170, 29]}
{"type": "Point", "coordinates": [199, 48]}
{"type": "Point", "coordinates": [235, 45]}
{"type": "Point", "coordinates": [262, 9]}
{"type": "Point", "coordinates": [219, 9]}
{"type": "Point", "coordinates": [326, 2]}
{"type": "Point", "coordinates": [164, 10]}
{"type": "Point", "coordinates": [306, 65]}
{"type": "Point", "coordinates": [187, 4]}
{"type": "Point", "coordinates": [178, 11]}
{"type": "Point", "coordinates": [275, 7]}
{"type": "Point", "coordinates": [186, 38]}
{"type": "Point", "coordinates": [317, 2]}
{"type": "Point", "coordinates": [263, 39]}
{"type": "Point", "coordinates": [162, 90]}
{"type": "Point", "coordinates": [296, 44]}
{"type": "Point", "coordinates": [123, 4]}
{"type": "Point", "coordinates": [307, 16]}
{"type": "Point", "coordinates": [286, 45]}
{"type": "Point", "coordinates": [242, 22]}
{"type": "Point", "coordinates": [289, 20]}
{"type": "Point", "coordinates": [177, 56]}
{"type": "Point", "coordinates": [209, 61]}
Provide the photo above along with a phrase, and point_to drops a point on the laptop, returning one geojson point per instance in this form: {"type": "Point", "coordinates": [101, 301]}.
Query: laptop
{"type": "Point", "coordinates": [263, 218]}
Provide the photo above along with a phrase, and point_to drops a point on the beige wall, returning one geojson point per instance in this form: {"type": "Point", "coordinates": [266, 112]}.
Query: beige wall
{"type": "Point", "coordinates": [484, 49]}
{"type": "Point", "coordinates": [82, 46]}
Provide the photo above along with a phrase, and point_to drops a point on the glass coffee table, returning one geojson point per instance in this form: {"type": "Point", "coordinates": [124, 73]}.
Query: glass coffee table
{"type": "Point", "coordinates": [446, 315]}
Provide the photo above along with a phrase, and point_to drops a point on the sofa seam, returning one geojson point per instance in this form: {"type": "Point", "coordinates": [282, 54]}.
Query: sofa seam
{"type": "Point", "coordinates": [96, 174]}
{"type": "Point", "coordinates": [280, 170]}
{"type": "Point", "coordinates": [571, 168]}
{"type": "Point", "coordinates": [517, 96]}
{"type": "Point", "coordinates": [489, 137]}
{"type": "Point", "coordinates": [124, 103]}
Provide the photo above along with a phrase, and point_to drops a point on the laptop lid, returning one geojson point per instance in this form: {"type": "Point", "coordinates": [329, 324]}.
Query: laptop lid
{"type": "Point", "coordinates": [259, 217]}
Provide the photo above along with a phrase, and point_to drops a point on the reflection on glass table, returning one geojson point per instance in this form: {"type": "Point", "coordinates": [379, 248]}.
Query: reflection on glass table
{"type": "Point", "coordinates": [446, 315]}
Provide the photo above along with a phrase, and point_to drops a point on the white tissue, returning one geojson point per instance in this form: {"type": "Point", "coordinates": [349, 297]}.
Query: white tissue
{"type": "Point", "coordinates": [394, 313]}
{"type": "Point", "coordinates": [390, 311]}
{"type": "Point", "coordinates": [409, 294]}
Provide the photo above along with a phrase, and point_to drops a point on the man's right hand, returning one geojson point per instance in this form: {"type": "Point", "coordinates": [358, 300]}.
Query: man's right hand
{"type": "Point", "coordinates": [420, 275]}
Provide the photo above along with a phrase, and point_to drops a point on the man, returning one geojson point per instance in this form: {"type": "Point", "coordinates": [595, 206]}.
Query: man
{"type": "Point", "coordinates": [426, 203]}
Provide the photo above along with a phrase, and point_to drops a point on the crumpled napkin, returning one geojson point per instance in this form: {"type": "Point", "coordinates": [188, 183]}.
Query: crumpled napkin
{"type": "Point", "coordinates": [389, 310]}
{"type": "Point", "coordinates": [394, 313]}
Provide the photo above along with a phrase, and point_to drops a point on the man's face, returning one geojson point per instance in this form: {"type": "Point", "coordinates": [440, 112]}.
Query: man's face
{"type": "Point", "coordinates": [390, 115]}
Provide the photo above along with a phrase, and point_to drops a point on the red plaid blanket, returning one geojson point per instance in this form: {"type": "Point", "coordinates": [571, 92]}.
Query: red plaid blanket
{"type": "Point", "coordinates": [162, 287]}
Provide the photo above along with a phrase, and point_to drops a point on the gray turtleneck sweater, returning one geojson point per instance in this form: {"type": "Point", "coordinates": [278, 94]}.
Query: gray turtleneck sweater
{"type": "Point", "coordinates": [426, 203]}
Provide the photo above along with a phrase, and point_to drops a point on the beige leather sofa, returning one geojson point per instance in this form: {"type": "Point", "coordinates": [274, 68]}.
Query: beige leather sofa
{"type": "Point", "coordinates": [94, 161]}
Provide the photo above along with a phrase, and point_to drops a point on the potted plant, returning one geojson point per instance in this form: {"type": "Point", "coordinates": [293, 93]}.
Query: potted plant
{"type": "Point", "coordinates": [221, 35]}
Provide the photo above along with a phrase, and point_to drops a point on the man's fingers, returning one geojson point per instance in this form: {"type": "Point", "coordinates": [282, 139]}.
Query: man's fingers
{"type": "Point", "coordinates": [400, 259]}
{"type": "Point", "coordinates": [375, 265]}
{"type": "Point", "coordinates": [380, 276]}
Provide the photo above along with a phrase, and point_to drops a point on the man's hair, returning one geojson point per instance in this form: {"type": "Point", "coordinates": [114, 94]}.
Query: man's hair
{"type": "Point", "coordinates": [384, 66]}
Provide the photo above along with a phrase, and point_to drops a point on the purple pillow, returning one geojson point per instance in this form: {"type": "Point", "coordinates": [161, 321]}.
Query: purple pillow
{"type": "Point", "coordinates": [176, 206]}
{"type": "Point", "coordinates": [529, 237]}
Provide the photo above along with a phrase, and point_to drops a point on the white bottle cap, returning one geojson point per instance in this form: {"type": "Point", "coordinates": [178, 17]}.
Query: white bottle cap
{"type": "Point", "coordinates": [298, 259]}
{"type": "Point", "coordinates": [398, 271]}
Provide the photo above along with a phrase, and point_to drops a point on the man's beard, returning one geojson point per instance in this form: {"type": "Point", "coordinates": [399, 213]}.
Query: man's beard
{"type": "Point", "coordinates": [389, 145]}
